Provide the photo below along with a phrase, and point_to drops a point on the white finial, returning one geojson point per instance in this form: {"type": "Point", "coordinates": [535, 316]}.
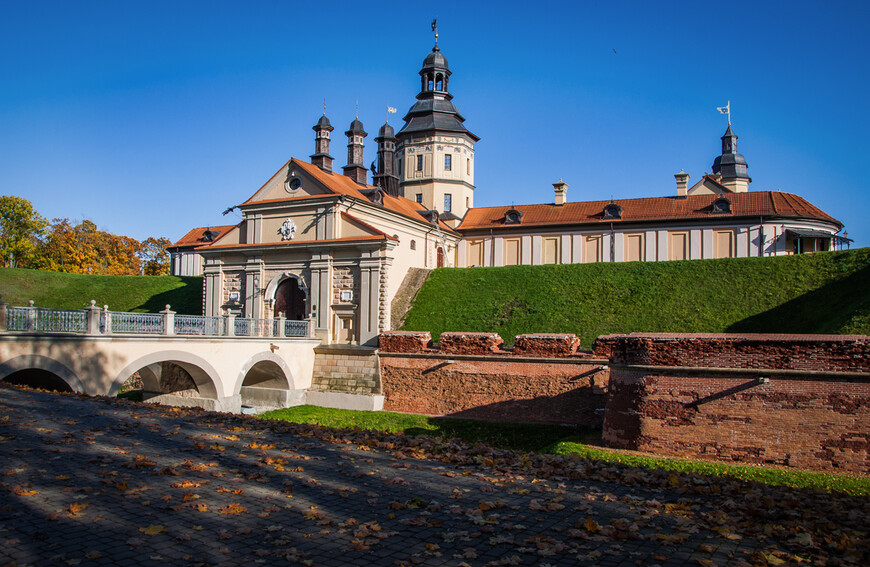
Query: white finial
{"type": "Point", "coordinates": [324, 107]}
{"type": "Point", "coordinates": [357, 109]}
{"type": "Point", "coordinates": [725, 110]}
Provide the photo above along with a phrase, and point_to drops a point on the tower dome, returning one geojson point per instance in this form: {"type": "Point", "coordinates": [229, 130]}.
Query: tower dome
{"type": "Point", "coordinates": [435, 60]}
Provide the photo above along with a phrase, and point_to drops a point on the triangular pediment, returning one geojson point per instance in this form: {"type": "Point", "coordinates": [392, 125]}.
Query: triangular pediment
{"type": "Point", "coordinates": [291, 181]}
{"type": "Point", "coordinates": [708, 186]}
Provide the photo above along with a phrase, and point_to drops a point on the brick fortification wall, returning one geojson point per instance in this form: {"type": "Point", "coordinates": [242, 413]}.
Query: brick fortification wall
{"type": "Point", "coordinates": [542, 380]}
{"type": "Point", "coordinates": [796, 400]}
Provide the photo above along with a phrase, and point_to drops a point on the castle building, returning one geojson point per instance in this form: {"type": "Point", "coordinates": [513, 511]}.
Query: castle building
{"type": "Point", "coordinates": [313, 243]}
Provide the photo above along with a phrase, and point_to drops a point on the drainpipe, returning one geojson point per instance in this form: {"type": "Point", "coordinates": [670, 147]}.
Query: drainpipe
{"type": "Point", "coordinates": [492, 249]}
{"type": "Point", "coordinates": [612, 245]}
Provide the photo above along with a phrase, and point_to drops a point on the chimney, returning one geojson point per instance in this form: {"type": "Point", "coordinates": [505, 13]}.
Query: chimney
{"type": "Point", "coordinates": [561, 192]}
{"type": "Point", "coordinates": [682, 183]}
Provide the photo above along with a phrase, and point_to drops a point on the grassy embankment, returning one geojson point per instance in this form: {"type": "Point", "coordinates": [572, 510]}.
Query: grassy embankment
{"type": "Point", "coordinates": [148, 294]}
{"type": "Point", "coordinates": [810, 293]}
{"type": "Point", "coordinates": [559, 440]}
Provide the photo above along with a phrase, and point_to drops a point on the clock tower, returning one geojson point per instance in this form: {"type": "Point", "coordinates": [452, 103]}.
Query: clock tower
{"type": "Point", "coordinates": [434, 150]}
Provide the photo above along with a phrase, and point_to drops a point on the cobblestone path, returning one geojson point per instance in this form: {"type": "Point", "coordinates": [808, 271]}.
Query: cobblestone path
{"type": "Point", "coordinates": [106, 482]}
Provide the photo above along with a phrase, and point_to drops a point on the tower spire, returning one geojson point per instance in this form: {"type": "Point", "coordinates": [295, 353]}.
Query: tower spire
{"type": "Point", "coordinates": [435, 29]}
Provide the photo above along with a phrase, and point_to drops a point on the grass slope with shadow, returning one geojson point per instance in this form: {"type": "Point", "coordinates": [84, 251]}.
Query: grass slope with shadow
{"type": "Point", "coordinates": [144, 294]}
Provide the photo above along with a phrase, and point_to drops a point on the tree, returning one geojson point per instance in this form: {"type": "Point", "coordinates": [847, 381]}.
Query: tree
{"type": "Point", "coordinates": [154, 256]}
{"type": "Point", "coordinates": [84, 249]}
{"type": "Point", "coordinates": [21, 228]}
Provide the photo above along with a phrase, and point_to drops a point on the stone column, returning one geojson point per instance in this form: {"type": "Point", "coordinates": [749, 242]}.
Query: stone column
{"type": "Point", "coordinates": [168, 321]}
{"type": "Point", "coordinates": [93, 318]}
{"type": "Point", "coordinates": [3, 306]}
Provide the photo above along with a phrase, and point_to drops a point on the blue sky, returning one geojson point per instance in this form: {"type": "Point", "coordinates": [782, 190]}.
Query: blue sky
{"type": "Point", "coordinates": [152, 118]}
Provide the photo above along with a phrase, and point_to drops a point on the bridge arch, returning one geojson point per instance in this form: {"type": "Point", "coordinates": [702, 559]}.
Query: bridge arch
{"type": "Point", "coordinates": [44, 363]}
{"type": "Point", "coordinates": [204, 375]}
{"type": "Point", "coordinates": [269, 369]}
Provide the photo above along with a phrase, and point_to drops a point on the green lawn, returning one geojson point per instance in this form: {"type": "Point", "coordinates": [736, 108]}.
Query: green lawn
{"type": "Point", "coordinates": [59, 290]}
{"type": "Point", "coordinates": [810, 293]}
{"type": "Point", "coordinates": [560, 440]}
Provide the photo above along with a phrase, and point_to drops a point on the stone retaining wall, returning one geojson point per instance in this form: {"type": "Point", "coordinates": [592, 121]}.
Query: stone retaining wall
{"type": "Point", "coordinates": [796, 400]}
{"type": "Point", "coordinates": [472, 376]}
{"type": "Point", "coordinates": [349, 370]}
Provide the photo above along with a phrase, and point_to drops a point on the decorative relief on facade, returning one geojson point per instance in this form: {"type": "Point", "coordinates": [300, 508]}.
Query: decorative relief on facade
{"type": "Point", "coordinates": [345, 280]}
{"type": "Point", "coordinates": [288, 230]}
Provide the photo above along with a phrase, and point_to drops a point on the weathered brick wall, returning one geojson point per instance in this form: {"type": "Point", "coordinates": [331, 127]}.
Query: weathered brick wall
{"type": "Point", "coordinates": [471, 376]}
{"type": "Point", "coordinates": [817, 417]}
{"type": "Point", "coordinates": [349, 370]}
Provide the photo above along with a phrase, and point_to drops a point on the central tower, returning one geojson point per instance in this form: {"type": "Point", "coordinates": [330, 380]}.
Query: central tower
{"type": "Point", "coordinates": [434, 150]}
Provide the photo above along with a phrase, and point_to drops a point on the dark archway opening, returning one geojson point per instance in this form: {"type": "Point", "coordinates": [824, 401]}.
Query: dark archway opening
{"type": "Point", "coordinates": [38, 378]}
{"type": "Point", "coordinates": [290, 300]}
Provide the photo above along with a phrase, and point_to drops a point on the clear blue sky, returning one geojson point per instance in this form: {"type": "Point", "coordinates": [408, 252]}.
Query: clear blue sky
{"type": "Point", "coordinates": [150, 118]}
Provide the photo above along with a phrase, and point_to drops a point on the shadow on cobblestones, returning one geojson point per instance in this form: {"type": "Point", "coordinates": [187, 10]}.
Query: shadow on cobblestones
{"type": "Point", "coordinates": [105, 482]}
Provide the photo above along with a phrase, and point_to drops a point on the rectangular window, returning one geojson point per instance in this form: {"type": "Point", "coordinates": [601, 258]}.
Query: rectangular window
{"type": "Point", "coordinates": [592, 248]}
{"type": "Point", "coordinates": [512, 252]}
{"type": "Point", "coordinates": [678, 247]}
{"type": "Point", "coordinates": [550, 250]}
{"type": "Point", "coordinates": [475, 253]}
{"type": "Point", "coordinates": [419, 197]}
{"type": "Point", "coordinates": [420, 163]}
{"type": "Point", "coordinates": [724, 243]}
{"type": "Point", "coordinates": [634, 251]}
{"type": "Point", "coordinates": [448, 162]}
{"type": "Point", "coordinates": [448, 202]}
{"type": "Point", "coordinates": [400, 167]}
{"type": "Point", "coordinates": [468, 166]}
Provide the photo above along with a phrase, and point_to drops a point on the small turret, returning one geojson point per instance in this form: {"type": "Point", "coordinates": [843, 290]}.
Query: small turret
{"type": "Point", "coordinates": [731, 165]}
{"type": "Point", "coordinates": [385, 174]}
{"type": "Point", "coordinates": [321, 157]}
{"type": "Point", "coordinates": [355, 168]}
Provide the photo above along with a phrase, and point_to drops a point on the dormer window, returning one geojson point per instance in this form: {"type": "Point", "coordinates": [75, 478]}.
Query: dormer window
{"type": "Point", "coordinates": [612, 211]}
{"type": "Point", "coordinates": [721, 206]}
{"type": "Point", "coordinates": [513, 216]}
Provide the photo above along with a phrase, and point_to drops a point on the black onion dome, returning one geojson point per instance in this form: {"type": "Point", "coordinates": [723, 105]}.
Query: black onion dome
{"type": "Point", "coordinates": [435, 60]}
{"type": "Point", "coordinates": [356, 127]}
{"type": "Point", "coordinates": [386, 131]}
{"type": "Point", "coordinates": [323, 123]}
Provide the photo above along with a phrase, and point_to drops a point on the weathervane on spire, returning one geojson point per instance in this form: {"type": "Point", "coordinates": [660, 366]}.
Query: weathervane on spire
{"type": "Point", "coordinates": [725, 110]}
{"type": "Point", "coordinates": [324, 107]}
{"type": "Point", "coordinates": [357, 108]}
{"type": "Point", "coordinates": [435, 29]}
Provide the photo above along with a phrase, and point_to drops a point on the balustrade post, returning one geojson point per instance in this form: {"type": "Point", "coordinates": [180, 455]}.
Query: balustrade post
{"type": "Point", "coordinates": [93, 318]}
{"type": "Point", "coordinates": [30, 323]}
{"type": "Point", "coordinates": [231, 324]}
{"type": "Point", "coordinates": [281, 326]}
{"type": "Point", "coordinates": [3, 312]}
{"type": "Point", "coordinates": [310, 333]}
{"type": "Point", "coordinates": [107, 320]}
{"type": "Point", "coordinates": [168, 321]}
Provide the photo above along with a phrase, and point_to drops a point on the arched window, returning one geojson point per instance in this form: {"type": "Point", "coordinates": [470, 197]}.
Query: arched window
{"type": "Point", "coordinates": [439, 82]}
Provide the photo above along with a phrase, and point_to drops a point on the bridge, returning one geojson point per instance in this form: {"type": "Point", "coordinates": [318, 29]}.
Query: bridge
{"type": "Point", "coordinates": [217, 363]}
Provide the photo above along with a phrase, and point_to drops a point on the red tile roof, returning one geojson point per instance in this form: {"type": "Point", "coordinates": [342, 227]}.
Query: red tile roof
{"type": "Point", "coordinates": [343, 185]}
{"type": "Point", "coordinates": [693, 207]}
{"type": "Point", "coordinates": [195, 236]}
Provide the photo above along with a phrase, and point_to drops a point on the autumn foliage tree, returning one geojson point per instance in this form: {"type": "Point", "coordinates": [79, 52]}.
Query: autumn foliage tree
{"type": "Point", "coordinates": [27, 240]}
{"type": "Point", "coordinates": [21, 228]}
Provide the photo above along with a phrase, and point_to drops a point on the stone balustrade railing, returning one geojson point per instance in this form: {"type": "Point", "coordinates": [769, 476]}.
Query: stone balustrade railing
{"type": "Point", "coordinates": [95, 321]}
